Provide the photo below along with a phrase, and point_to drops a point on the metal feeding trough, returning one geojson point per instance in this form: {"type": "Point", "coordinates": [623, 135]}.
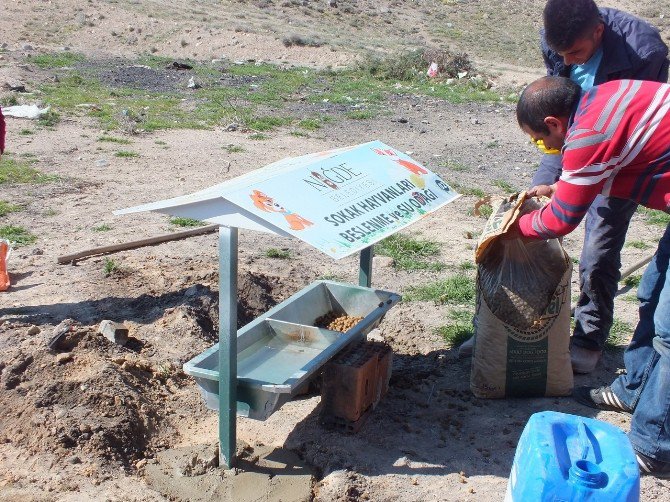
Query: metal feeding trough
{"type": "Point", "coordinates": [340, 202]}
{"type": "Point", "coordinates": [278, 352]}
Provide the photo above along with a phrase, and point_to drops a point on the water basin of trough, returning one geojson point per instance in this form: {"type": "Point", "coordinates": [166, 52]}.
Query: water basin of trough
{"type": "Point", "coordinates": [284, 348]}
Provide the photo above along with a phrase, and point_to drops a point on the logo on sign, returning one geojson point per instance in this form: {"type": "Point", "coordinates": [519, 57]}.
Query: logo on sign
{"type": "Point", "coordinates": [331, 178]}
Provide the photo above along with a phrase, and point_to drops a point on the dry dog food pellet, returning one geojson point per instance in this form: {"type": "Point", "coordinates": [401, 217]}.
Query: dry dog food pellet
{"type": "Point", "coordinates": [336, 322]}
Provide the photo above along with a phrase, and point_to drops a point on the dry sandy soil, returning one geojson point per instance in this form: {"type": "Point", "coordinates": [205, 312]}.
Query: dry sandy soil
{"type": "Point", "coordinates": [94, 421]}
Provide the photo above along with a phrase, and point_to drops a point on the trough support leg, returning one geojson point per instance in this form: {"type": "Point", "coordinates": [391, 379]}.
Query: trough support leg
{"type": "Point", "coordinates": [227, 345]}
{"type": "Point", "coordinates": [365, 271]}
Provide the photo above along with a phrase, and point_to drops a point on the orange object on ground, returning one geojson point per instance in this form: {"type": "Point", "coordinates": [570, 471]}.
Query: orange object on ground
{"type": "Point", "coordinates": [4, 274]}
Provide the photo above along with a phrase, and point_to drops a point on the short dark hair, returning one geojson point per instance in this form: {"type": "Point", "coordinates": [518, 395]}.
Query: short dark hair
{"type": "Point", "coordinates": [566, 21]}
{"type": "Point", "coordinates": [546, 97]}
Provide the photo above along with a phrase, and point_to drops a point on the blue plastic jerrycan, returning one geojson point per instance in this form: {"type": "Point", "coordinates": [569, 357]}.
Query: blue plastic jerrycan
{"type": "Point", "coordinates": [563, 457]}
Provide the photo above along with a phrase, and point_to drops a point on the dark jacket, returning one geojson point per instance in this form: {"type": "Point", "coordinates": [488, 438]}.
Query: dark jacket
{"type": "Point", "coordinates": [632, 49]}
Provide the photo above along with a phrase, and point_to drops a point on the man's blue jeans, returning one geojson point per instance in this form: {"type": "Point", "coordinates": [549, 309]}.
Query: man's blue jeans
{"type": "Point", "coordinates": [645, 388]}
{"type": "Point", "coordinates": [606, 225]}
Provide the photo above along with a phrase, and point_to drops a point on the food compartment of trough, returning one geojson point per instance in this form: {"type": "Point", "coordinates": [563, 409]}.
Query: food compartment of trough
{"type": "Point", "coordinates": [322, 298]}
{"type": "Point", "coordinates": [278, 352]}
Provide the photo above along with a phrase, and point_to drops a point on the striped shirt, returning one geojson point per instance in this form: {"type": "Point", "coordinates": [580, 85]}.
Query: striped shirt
{"type": "Point", "coordinates": [618, 145]}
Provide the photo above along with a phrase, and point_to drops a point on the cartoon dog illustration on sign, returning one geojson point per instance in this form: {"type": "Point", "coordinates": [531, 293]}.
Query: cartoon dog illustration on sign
{"type": "Point", "coordinates": [267, 204]}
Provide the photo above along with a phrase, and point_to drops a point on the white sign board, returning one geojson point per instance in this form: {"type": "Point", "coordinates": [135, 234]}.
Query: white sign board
{"type": "Point", "coordinates": [339, 201]}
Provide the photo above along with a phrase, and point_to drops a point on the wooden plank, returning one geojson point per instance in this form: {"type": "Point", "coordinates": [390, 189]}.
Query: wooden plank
{"type": "Point", "coordinates": [635, 267]}
{"type": "Point", "coordinates": [149, 241]}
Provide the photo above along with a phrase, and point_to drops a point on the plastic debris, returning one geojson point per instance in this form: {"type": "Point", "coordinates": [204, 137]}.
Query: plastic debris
{"type": "Point", "coordinates": [5, 251]}
{"type": "Point", "coordinates": [25, 111]}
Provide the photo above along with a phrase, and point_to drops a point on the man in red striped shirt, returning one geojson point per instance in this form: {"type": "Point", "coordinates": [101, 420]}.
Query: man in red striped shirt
{"type": "Point", "coordinates": [615, 141]}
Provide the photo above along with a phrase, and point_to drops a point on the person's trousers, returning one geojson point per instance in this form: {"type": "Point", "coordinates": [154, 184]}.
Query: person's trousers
{"type": "Point", "coordinates": [606, 225]}
{"type": "Point", "coordinates": [645, 388]}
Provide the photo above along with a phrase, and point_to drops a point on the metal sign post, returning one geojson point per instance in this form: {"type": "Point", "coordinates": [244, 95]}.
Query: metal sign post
{"type": "Point", "coordinates": [227, 345]}
{"type": "Point", "coordinates": [365, 268]}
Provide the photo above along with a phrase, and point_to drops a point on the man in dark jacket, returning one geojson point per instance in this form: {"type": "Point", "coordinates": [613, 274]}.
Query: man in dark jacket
{"type": "Point", "coordinates": [591, 46]}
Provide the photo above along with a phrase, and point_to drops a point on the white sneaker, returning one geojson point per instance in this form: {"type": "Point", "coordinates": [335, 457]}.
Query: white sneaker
{"type": "Point", "coordinates": [465, 350]}
{"type": "Point", "coordinates": [584, 360]}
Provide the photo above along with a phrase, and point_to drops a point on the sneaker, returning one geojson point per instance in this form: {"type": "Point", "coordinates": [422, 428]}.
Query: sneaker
{"type": "Point", "coordinates": [652, 467]}
{"type": "Point", "coordinates": [584, 360]}
{"type": "Point", "coordinates": [601, 398]}
{"type": "Point", "coordinates": [465, 350]}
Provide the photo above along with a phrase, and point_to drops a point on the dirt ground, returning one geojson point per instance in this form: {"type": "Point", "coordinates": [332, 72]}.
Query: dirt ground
{"type": "Point", "coordinates": [90, 420]}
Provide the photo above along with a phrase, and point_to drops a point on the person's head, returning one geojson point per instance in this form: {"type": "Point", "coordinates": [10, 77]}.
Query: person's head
{"type": "Point", "coordinates": [544, 109]}
{"type": "Point", "coordinates": [573, 28]}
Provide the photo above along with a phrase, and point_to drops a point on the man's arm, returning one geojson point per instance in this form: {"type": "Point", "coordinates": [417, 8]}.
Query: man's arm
{"type": "Point", "coordinates": [549, 170]}
{"type": "Point", "coordinates": [563, 214]}
{"type": "Point", "coordinates": [582, 180]}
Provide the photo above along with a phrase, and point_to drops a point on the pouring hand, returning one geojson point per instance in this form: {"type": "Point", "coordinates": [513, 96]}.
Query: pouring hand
{"type": "Point", "coordinates": [542, 191]}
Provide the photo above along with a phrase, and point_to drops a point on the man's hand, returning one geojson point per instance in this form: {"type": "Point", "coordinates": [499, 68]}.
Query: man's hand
{"type": "Point", "coordinates": [542, 191]}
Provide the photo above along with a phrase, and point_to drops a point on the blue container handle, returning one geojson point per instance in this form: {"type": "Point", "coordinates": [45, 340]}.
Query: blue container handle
{"type": "Point", "coordinates": [584, 472]}
{"type": "Point", "coordinates": [583, 439]}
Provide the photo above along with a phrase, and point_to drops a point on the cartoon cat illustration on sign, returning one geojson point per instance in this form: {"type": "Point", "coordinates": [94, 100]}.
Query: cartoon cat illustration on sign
{"type": "Point", "coordinates": [415, 169]}
{"type": "Point", "coordinates": [267, 204]}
